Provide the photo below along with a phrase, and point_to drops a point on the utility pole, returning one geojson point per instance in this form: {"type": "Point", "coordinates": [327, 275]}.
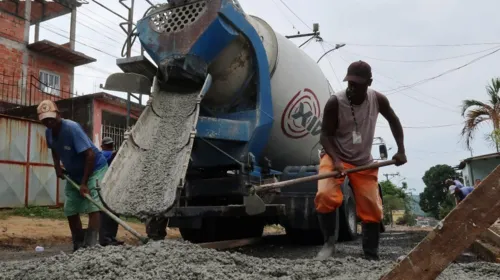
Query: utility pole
{"type": "Point", "coordinates": [390, 174]}
{"type": "Point", "coordinates": [129, 21]}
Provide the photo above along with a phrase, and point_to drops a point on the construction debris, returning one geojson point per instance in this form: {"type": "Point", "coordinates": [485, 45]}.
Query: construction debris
{"type": "Point", "coordinates": [182, 260]}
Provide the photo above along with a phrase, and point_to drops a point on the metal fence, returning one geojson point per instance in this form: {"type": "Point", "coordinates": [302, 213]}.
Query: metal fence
{"type": "Point", "coordinates": [12, 95]}
{"type": "Point", "coordinates": [116, 133]}
{"type": "Point", "coordinates": [27, 175]}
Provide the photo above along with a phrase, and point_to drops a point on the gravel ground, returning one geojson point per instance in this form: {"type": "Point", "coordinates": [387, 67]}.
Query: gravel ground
{"type": "Point", "coordinates": [180, 260]}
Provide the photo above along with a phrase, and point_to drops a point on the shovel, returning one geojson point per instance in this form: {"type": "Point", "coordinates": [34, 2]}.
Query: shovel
{"type": "Point", "coordinates": [143, 239]}
{"type": "Point", "coordinates": [254, 205]}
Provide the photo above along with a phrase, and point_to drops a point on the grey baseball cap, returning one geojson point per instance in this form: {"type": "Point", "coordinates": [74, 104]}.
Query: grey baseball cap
{"type": "Point", "coordinates": [107, 140]}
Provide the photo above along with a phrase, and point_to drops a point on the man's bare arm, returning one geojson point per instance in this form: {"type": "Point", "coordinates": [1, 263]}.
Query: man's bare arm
{"type": "Point", "coordinates": [396, 127]}
{"type": "Point", "coordinates": [329, 127]}
{"type": "Point", "coordinates": [57, 164]}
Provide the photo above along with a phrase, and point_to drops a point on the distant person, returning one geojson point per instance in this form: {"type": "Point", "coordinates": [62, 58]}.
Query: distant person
{"type": "Point", "coordinates": [477, 182]}
{"type": "Point", "coordinates": [460, 193]}
{"type": "Point", "coordinates": [83, 163]}
{"type": "Point", "coordinates": [109, 228]}
{"type": "Point", "coordinates": [108, 149]}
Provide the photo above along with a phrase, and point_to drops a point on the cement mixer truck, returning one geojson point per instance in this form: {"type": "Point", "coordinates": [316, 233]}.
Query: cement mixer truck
{"type": "Point", "coordinates": [233, 104]}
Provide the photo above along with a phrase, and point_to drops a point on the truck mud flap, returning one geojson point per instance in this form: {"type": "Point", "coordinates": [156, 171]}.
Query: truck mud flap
{"type": "Point", "coordinates": [152, 162]}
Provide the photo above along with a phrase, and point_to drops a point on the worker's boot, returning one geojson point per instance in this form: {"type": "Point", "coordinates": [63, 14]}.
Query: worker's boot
{"type": "Point", "coordinates": [91, 236]}
{"type": "Point", "coordinates": [371, 237]}
{"type": "Point", "coordinates": [78, 239]}
{"type": "Point", "coordinates": [327, 223]}
{"type": "Point", "coordinates": [108, 231]}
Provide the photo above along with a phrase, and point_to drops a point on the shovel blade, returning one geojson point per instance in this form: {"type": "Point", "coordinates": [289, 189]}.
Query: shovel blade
{"type": "Point", "coordinates": [254, 205]}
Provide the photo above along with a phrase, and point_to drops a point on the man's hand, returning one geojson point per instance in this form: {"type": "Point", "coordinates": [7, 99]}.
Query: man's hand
{"type": "Point", "coordinates": [400, 158]}
{"type": "Point", "coordinates": [339, 167]}
{"type": "Point", "coordinates": [59, 172]}
{"type": "Point", "coordinates": [84, 189]}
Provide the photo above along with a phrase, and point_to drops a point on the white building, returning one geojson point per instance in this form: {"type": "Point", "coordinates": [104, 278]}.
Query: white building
{"type": "Point", "coordinates": [478, 167]}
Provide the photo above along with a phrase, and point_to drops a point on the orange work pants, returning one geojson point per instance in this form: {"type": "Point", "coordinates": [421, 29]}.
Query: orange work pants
{"type": "Point", "coordinates": [364, 185]}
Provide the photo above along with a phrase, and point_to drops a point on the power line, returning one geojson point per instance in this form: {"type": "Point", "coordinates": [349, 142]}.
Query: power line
{"type": "Point", "coordinates": [421, 45]}
{"type": "Point", "coordinates": [426, 60]}
{"type": "Point", "coordinates": [409, 96]}
{"type": "Point", "coordinates": [305, 24]}
{"type": "Point", "coordinates": [284, 15]}
{"type": "Point", "coordinates": [94, 48]}
{"type": "Point", "coordinates": [398, 89]}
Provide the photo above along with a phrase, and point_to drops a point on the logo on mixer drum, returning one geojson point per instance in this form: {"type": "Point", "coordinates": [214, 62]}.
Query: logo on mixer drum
{"type": "Point", "coordinates": [302, 115]}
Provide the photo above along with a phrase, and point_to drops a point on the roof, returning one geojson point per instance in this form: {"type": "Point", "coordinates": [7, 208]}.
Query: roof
{"type": "Point", "coordinates": [61, 53]}
{"type": "Point", "coordinates": [487, 156]}
{"type": "Point", "coordinates": [112, 99]}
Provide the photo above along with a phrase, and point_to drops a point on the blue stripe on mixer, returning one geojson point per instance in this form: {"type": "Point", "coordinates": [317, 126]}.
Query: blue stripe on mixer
{"type": "Point", "coordinates": [265, 118]}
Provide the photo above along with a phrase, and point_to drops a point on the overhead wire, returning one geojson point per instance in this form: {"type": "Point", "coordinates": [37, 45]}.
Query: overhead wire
{"type": "Point", "coordinates": [425, 60]}
{"type": "Point", "coordinates": [305, 24]}
{"type": "Point", "coordinates": [284, 15]}
{"type": "Point", "coordinates": [399, 89]}
{"type": "Point", "coordinates": [419, 45]}
{"type": "Point", "coordinates": [407, 95]}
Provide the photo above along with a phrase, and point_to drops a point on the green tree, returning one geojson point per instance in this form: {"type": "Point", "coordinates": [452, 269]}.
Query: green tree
{"type": "Point", "coordinates": [476, 112]}
{"type": "Point", "coordinates": [435, 199]}
{"type": "Point", "coordinates": [395, 198]}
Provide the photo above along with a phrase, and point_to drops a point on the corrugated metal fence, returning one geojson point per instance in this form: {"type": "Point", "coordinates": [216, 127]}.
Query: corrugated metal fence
{"type": "Point", "coordinates": [27, 175]}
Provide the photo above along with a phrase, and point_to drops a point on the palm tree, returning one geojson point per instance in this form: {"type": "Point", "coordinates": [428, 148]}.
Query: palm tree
{"type": "Point", "coordinates": [476, 112]}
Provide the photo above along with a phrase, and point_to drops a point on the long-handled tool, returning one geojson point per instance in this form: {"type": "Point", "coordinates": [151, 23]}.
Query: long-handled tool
{"type": "Point", "coordinates": [143, 239]}
{"type": "Point", "coordinates": [254, 205]}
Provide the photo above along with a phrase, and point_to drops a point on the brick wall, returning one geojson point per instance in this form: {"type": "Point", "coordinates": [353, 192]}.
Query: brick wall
{"type": "Point", "coordinates": [40, 62]}
{"type": "Point", "coordinates": [11, 27]}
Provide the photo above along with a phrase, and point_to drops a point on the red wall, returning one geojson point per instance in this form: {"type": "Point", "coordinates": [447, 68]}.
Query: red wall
{"type": "Point", "coordinates": [100, 106]}
{"type": "Point", "coordinates": [11, 63]}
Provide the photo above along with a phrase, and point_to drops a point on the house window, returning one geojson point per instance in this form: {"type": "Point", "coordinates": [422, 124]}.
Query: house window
{"type": "Point", "coordinates": [50, 83]}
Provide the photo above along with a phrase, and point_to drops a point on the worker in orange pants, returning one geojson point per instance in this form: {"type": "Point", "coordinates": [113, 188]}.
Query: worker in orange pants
{"type": "Point", "coordinates": [347, 133]}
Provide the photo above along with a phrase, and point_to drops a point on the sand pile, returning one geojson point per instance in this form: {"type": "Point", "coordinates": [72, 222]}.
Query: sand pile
{"type": "Point", "coordinates": [180, 260]}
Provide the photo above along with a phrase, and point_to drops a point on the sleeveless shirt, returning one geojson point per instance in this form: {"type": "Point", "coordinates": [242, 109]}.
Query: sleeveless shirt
{"type": "Point", "coordinates": [366, 117]}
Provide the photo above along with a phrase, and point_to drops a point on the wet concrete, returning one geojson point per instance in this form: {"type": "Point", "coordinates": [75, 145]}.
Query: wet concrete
{"type": "Point", "coordinates": [276, 260]}
{"type": "Point", "coordinates": [148, 169]}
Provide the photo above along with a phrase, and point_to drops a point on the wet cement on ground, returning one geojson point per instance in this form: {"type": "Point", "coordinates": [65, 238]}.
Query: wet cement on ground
{"type": "Point", "coordinates": [181, 260]}
{"type": "Point", "coordinates": [148, 169]}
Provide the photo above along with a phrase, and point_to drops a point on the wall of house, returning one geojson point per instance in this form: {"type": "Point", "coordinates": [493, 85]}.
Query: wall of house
{"type": "Point", "coordinates": [16, 62]}
{"type": "Point", "coordinates": [99, 107]}
{"type": "Point", "coordinates": [482, 168]}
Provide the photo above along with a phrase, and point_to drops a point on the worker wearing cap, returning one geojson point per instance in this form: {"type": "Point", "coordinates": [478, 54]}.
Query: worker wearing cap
{"type": "Point", "coordinates": [83, 163]}
{"type": "Point", "coordinates": [460, 192]}
{"type": "Point", "coordinates": [348, 129]}
{"type": "Point", "coordinates": [109, 228]}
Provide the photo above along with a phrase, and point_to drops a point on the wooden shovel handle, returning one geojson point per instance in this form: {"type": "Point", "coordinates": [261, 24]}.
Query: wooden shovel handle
{"type": "Point", "coordinates": [318, 177]}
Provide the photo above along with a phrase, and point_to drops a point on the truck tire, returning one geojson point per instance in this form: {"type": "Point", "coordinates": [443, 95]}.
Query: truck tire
{"type": "Point", "coordinates": [348, 216]}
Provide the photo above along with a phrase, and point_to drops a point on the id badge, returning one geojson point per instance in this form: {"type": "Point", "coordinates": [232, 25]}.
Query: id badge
{"type": "Point", "coordinates": [356, 137]}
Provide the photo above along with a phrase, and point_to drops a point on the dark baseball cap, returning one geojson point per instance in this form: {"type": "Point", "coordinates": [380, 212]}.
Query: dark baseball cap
{"type": "Point", "coordinates": [359, 72]}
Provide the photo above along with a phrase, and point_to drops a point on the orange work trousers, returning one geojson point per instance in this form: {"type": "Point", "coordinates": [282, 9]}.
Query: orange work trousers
{"type": "Point", "coordinates": [364, 185]}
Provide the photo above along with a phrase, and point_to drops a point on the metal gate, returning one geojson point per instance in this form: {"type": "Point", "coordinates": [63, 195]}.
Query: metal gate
{"type": "Point", "coordinates": [27, 175]}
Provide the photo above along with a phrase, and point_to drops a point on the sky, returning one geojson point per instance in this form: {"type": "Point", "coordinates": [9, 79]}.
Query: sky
{"type": "Point", "coordinates": [404, 41]}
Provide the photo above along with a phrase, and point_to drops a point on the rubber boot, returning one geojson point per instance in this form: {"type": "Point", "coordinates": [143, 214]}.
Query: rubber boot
{"type": "Point", "coordinates": [91, 237]}
{"type": "Point", "coordinates": [78, 239]}
{"type": "Point", "coordinates": [108, 231]}
{"type": "Point", "coordinates": [327, 223]}
{"type": "Point", "coordinates": [371, 237]}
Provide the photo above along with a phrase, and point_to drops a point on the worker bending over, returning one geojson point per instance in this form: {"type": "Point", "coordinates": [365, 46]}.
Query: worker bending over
{"type": "Point", "coordinates": [109, 228]}
{"type": "Point", "coordinates": [460, 192]}
{"type": "Point", "coordinates": [348, 129]}
{"type": "Point", "coordinates": [84, 164]}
